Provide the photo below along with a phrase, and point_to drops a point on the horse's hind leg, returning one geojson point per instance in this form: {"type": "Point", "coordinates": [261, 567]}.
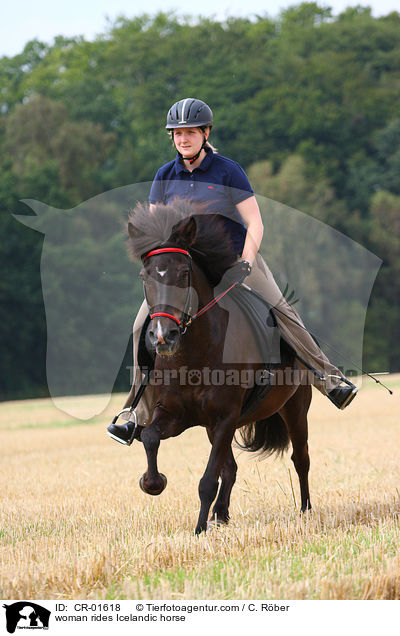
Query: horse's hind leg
{"type": "Point", "coordinates": [220, 511]}
{"type": "Point", "coordinates": [294, 412]}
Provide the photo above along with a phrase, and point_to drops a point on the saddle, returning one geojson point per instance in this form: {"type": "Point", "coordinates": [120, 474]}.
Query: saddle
{"type": "Point", "coordinates": [274, 350]}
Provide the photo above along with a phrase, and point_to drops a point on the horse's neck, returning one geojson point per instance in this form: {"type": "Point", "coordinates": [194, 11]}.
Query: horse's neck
{"type": "Point", "coordinates": [203, 289]}
{"type": "Point", "coordinates": [207, 332]}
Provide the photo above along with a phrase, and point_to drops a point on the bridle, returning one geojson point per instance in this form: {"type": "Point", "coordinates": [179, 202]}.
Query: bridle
{"type": "Point", "coordinates": [187, 317]}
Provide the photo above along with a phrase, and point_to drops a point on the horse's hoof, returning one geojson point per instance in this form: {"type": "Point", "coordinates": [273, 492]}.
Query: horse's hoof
{"type": "Point", "coordinates": [155, 489]}
{"type": "Point", "coordinates": [199, 530]}
{"type": "Point", "coordinates": [306, 508]}
{"type": "Point", "coordinates": [215, 524]}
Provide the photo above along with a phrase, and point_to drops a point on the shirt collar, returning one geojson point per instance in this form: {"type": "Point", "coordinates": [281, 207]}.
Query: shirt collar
{"type": "Point", "coordinates": [205, 164]}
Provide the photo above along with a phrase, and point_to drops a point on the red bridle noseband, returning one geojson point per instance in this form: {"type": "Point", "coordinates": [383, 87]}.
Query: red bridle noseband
{"type": "Point", "coordinates": [164, 250]}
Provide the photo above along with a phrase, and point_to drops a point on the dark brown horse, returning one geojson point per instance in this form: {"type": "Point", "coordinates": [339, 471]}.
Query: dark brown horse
{"type": "Point", "coordinates": [195, 253]}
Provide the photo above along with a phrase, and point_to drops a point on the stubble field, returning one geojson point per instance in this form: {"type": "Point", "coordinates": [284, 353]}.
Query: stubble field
{"type": "Point", "coordinates": [74, 523]}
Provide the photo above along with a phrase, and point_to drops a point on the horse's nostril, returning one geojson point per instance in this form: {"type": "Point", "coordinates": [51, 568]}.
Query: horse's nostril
{"type": "Point", "coordinates": [173, 335]}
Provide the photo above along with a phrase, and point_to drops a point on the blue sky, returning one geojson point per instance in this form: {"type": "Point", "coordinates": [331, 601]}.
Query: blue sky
{"type": "Point", "coordinates": [25, 20]}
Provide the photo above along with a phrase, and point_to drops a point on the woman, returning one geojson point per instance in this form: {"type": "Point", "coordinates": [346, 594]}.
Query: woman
{"type": "Point", "coordinates": [200, 174]}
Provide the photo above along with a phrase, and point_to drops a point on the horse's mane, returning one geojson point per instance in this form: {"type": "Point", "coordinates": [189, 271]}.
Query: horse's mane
{"type": "Point", "coordinates": [212, 248]}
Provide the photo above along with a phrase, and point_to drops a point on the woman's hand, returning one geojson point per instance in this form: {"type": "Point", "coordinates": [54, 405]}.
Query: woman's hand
{"type": "Point", "coordinates": [237, 273]}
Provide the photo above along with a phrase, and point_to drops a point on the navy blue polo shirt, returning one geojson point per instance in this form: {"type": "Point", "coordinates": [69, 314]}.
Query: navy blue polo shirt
{"type": "Point", "coordinates": [217, 181]}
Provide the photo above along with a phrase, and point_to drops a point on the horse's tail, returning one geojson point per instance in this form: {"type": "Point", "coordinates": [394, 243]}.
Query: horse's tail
{"type": "Point", "coordinates": [266, 436]}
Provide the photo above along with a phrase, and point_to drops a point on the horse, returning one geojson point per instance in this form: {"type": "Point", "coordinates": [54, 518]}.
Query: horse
{"type": "Point", "coordinates": [186, 253]}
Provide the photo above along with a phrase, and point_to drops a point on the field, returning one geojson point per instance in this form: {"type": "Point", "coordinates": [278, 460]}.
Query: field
{"type": "Point", "coordinates": [74, 523]}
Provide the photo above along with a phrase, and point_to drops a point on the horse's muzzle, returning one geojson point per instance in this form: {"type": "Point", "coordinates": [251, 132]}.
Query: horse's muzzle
{"type": "Point", "coordinates": [165, 343]}
{"type": "Point", "coordinates": [166, 349]}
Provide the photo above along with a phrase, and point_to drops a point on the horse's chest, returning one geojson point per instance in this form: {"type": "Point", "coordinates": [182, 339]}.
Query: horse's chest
{"type": "Point", "coordinates": [203, 405]}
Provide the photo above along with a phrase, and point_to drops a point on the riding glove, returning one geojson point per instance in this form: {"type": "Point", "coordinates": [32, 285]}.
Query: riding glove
{"type": "Point", "coordinates": [237, 273]}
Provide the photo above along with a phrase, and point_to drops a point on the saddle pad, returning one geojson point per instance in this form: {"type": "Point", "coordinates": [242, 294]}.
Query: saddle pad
{"type": "Point", "coordinates": [274, 350]}
{"type": "Point", "coordinates": [261, 318]}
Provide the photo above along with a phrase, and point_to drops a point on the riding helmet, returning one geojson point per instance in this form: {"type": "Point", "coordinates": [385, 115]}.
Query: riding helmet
{"type": "Point", "coordinates": [189, 113]}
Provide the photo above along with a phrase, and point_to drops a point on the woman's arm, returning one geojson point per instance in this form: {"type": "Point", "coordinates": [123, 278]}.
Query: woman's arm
{"type": "Point", "coordinates": [250, 213]}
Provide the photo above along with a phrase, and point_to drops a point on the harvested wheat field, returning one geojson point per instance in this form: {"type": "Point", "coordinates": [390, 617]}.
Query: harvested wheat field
{"type": "Point", "coordinates": [74, 523]}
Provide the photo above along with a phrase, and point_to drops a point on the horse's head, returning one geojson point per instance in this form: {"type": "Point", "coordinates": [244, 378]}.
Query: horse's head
{"type": "Point", "coordinates": [164, 237]}
{"type": "Point", "coordinates": [166, 275]}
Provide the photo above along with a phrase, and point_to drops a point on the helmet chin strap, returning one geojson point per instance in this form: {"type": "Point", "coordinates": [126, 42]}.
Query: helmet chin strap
{"type": "Point", "coordinates": [191, 159]}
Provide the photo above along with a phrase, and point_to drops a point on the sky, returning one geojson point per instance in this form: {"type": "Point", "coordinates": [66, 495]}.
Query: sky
{"type": "Point", "coordinates": [24, 20]}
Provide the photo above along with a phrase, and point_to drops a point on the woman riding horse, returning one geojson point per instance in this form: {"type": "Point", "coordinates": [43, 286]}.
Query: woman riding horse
{"type": "Point", "coordinates": [200, 174]}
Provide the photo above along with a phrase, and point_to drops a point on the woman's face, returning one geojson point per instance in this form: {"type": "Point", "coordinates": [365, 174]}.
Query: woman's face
{"type": "Point", "coordinates": [188, 141]}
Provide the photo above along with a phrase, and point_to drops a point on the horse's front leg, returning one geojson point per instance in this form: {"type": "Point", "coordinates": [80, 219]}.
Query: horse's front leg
{"type": "Point", "coordinates": [165, 423]}
{"type": "Point", "coordinates": [222, 438]}
{"type": "Point", "coordinates": [220, 511]}
{"type": "Point", "coordinates": [152, 482]}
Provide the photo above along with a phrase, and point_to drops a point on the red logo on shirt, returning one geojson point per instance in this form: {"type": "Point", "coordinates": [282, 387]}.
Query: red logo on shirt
{"type": "Point", "coordinates": [211, 187]}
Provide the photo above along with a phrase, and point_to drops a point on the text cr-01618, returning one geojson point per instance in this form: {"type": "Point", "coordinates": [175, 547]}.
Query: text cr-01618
{"type": "Point", "coordinates": [97, 607]}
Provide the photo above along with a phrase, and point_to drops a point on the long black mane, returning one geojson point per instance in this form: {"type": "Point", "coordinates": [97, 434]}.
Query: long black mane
{"type": "Point", "coordinates": [212, 248]}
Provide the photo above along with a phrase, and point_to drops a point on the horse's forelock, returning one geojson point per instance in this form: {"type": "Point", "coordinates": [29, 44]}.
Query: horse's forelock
{"type": "Point", "coordinates": [151, 228]}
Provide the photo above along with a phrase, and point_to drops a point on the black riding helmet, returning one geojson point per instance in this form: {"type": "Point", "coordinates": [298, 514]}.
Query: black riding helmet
{"type": "Point", "coordinates": [189, 113]}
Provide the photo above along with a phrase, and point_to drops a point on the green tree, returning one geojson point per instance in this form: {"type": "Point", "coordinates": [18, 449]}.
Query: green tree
{"type": "Point", "coordinates": [39, 139]}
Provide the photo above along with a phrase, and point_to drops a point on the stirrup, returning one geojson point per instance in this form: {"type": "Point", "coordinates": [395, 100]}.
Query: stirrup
{"type": "Point", "coordinates": [131, 419]}
{"type": "Point", "coordinates": [342, 378]}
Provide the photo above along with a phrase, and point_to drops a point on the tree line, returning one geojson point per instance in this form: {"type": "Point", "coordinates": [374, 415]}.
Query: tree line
{"type": "Point", "coordinates": [307, 103]}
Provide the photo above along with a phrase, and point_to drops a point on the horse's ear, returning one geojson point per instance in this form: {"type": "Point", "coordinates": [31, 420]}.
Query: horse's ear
{"type": "Point", "coordinates": [133, 231]}
{"type": "Point", "coordinates": [184, 232]}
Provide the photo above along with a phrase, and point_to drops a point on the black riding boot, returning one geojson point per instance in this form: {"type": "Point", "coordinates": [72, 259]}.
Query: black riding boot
{"type": "Point", "coordinates": [341, 396]}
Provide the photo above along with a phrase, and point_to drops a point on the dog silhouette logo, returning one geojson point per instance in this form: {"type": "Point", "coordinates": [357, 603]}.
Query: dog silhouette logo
{"type": "Point", "coordinates": [26, 615]}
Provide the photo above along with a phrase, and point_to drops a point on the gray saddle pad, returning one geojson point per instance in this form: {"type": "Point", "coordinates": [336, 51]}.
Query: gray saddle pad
{"type": "Point", "coordinates": [262, 320]}
{"type": "Point", "coordinates": [274, 350]}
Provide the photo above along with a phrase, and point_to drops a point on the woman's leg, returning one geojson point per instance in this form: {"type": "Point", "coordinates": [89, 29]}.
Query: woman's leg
{"type": "Point", "coordinates": [123, 431]}
{"type": "Point", "coordinates": [144, 407]}
{"type": "Point", "coordinates": [292, 328]}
